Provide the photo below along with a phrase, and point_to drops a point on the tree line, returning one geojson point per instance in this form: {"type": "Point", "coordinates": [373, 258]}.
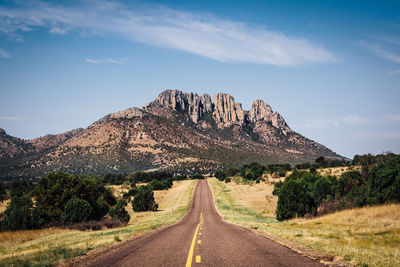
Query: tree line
{"type": "Point", "coordinates": [308, 193]}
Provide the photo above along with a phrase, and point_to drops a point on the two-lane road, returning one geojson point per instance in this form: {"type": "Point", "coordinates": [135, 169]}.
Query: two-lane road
{"type": "Point", "coordinates": [201, 238]}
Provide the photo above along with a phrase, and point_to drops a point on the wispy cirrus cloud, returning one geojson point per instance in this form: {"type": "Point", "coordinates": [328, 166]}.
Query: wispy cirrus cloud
{"type": "Point", "coordinates": [393, 117]}
{"type": "Point", "coordinates": [14, 118]}
{"type": "Point", "coordinates": [377, 135]}
{"type": "Point", "coordinates": [4, 54]}
{"type": "Point", "coordinates": [352, 120]}
{"type": "Point", "coordinates": [105, 61]}
{"type": "Point", "coordinates": [395, 72]}
{"type": "Point", "coordinates": [382, 52]}
{"type": "Point", "coordinates": [201, 34]}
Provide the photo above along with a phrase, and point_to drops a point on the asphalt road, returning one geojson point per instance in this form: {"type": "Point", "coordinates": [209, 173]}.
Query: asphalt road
{"type": "Point", "coordinates": [202, 238]}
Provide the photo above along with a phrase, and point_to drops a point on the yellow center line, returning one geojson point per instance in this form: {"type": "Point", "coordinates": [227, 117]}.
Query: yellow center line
{"type": "Point", "coordinates": [190, 255]}
{"type": "Point", "coordinates": [198, 259]}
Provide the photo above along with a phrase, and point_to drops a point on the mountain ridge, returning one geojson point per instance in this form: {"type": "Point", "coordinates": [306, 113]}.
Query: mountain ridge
{"type": "Point", "coordinates": [178, 131]}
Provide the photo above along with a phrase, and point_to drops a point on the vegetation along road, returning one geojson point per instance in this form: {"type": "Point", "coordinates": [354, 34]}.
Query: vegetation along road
{"type": "Point", "coordinates": [201, 238]}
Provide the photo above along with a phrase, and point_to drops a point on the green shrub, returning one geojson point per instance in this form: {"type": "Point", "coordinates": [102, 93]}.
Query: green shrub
{"type": "Point", "coordinates": [227, 180]}
{"type": "Point", "coordinates": [231, 171]}
{"type": "Point", "coordinates": [18, 214]}
{"type": "Point", "coordinates": [347, 181]}
{"type": "Point", "coordinates": [76, 210]}
{"type": "Point", "coordinates": [220, 175]}
{"type": "Point", "coordinates": [197, 176]}
{"type": "Point", "coordinates": [118, 212]}
{"type": "Point", "coordinates": [301, 193]}
{"type": "Point", "coordinates": [384, 182]}
{"type": "Point", "coordinates": [109, 197]}
{"type": "Point", "coordinates": [55, 190]}
{"type": "Point", "coordinates": [144, 200]}
{"type": "Point", "coordinates": [3, 191]}
{"type": "Point", "coordinates": [294, 199]}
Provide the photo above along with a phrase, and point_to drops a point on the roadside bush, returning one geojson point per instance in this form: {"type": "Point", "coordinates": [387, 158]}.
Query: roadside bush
{"type": "Point", "coordinates": [55, 190]}
{"type": "Point", "coordinates": [358, 196]}
{"type": "Point", "coordinates": [149, 176]}
{"type": "Point", "coordinates": [20, 188]}
{"type": "Point", "coordinates": [220, 175]}
{"type": "Point", "coordinates": [180, 177]}
{"type": "Point", "coordinates": [144, 200]}
{"type": "Point", "coordinates": [294, 200]}
{"type": "Point", "coordinates": [231, 171]}
{"type": "Point", "coordinates": [161, 185]}
{"type": "Point", "coordinates": [198, 176]}
{"type": "Point", "coordinates": [18, 214]}
{"type": "Point", "coordinates": [76, 210]}
{"type": "Point", "coordinates": [347, 181]}
{"type": "Point", "coordinates": [301, 193]}
{"type": "Point", "coordinates": [109, 197]}
{"type": "Point", "coordinates": [227, 180]}
{"type": "Point", "coordinates": [3, 191]}
{"type": "Point", "coordinates": [384, 182]}
{"type": "Point", "coordinates": [114, 179]}
{"type": "Point", "coordinates": [118, 212]}
{"type": "Point", "coordinates": [249, 176]}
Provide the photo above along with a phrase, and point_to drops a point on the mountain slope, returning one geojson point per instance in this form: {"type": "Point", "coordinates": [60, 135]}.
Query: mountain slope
{"type": "Point", "coordinates": [177, 131]}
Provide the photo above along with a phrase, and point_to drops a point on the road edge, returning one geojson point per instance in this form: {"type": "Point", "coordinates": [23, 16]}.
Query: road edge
{"type": "Point", "coordinates": [322, 257]}
{"type": "Point", "coordinates": [91, 255]}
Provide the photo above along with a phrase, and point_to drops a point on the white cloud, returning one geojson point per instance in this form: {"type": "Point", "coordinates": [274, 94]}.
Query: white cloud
{"type": "Point", "coordinates": [381, 52]}
{"type": "Point", "coordinates": [395, 72]}
{"type": "Point", "coordinates": [316, 123]}
{"type": "Point", "coordinates": [104, 60]}
{"type": "Point", "coordinates": [352, 120]}
{"type": "Point", "coordinates": [377, 135]}
{"type": "Point", "coordinates": [200, 34]}
{"type": "Point", "coordinates": [393, 118]}
{"type": "Point", "coordinates": [4, 54]}
{"type": "Point", "coordinates": [13, 118]}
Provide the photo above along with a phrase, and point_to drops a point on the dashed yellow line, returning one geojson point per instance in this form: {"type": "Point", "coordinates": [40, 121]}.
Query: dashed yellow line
{"type": "Point", "coordinates": [198, 259]}
{"type": "Point", "coordinates": [198, 241]}
{"type": "Point", "coordinates": [190, 255]}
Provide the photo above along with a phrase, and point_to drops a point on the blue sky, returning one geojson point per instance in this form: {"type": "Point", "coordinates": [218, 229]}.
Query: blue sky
{"type": "Point", "coordinates": [331, 68]}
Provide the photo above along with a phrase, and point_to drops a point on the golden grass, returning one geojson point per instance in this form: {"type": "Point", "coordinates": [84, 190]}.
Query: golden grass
{"type": "Point", "coordinates": [3, 205]}
{"type": "Point", "coordinates": [337, 171]}
{"type": "Point", "coordinates": [258, 196]}
{"type": "Point", "coordinates": [32, 244]}
{"type": "Point", "coordinates": [369, 235]}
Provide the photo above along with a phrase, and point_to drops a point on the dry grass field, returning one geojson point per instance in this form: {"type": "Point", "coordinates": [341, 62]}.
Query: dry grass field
{"type": "Point", "coordinates": [47, 246]}
{"type": "Point", "coordinates": [258, 196]}
{"type": "Point", "coordinates": [337, 171]}
{"type": "Point", "coordinates": [3, 205]}
{"type": "Point", "coordinates": [368, 236]}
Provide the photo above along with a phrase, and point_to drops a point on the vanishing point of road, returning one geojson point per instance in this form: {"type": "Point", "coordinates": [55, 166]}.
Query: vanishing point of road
{"type": "Point", "coordinates": [202, 238]}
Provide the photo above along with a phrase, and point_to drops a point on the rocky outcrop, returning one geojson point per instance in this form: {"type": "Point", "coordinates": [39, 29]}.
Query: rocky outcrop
{"type": "Point", "coordinates": [126, 114]}
{"type": "Point", "coordinates": [260, 111]}
{"type": "Point", "coordinates": [190, 103]}
{"type": "Point", "coordinates": [226, 110]}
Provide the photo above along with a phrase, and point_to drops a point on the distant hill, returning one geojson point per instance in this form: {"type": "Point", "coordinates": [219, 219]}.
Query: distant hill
{"type": "Point", "coordinates": [179, 131]}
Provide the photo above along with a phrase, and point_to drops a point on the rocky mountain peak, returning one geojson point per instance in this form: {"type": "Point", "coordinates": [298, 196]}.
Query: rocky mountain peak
{"type": "Point", "coordinates": [260, 111]}
{"type": "Point", "coordinates": [226, 110]}
{"type": "Point", "coordinates": [191, 103]}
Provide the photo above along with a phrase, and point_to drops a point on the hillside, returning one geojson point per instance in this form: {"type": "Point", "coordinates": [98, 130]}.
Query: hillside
{"type": "Point", "coordinates": [178, 131]}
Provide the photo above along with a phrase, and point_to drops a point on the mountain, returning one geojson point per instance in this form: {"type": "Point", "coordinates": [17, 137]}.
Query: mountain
{"type": "Point", "coordinates": [178, 131]}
